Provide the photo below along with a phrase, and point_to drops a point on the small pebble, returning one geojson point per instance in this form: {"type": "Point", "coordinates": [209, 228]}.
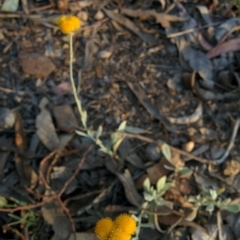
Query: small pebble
{"type": "Point", "coordinates": [189, 146]}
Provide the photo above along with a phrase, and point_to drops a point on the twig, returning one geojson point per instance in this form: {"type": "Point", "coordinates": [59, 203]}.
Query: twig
{"type": "Point", "coordinates": [149, 140]}
{"type": "Point", "coordinates": [157, 224]}
{"type": "Point", "coordinates": [189, 155]}
{"type": "Point", "coordinates": [75, 172]}
{"type": "Point", "coordinates": [175, 224]}
{"type": "Point", "coordinates": [25, 6]}
{"type": "Point", "coordinates": [230, 146]}
{"type": "Point", "coordinates": [50, 198]}
{"type": "Point", "coordinates": [219, 224]}
{"type": "Point", "coordinates": [37, 9]}
{"type": "Point", "coordinates": [190, 30]}
{"type": "Point", "coordinates": [67, 213]}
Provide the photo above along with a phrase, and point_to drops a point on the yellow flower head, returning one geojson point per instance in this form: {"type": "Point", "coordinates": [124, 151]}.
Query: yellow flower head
{"type": "Point", "coordinates": [126, 223]}
{"type": "Point", "coordinates": [68, 24]}
{"type": "Point", "coordinates": [119, 234]}
{"type": "Point", "coordinates": [103, 228]}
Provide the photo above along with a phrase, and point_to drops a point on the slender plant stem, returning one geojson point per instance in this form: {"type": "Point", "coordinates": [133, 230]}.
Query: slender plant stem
{"type": "Point", "coordinates": [74, 89]}
{"type": "Point", "coordinates": [83, 114]}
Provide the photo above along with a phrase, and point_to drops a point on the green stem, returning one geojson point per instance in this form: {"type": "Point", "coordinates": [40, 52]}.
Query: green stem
{"type": "Point", "coordinates": [74, 89]}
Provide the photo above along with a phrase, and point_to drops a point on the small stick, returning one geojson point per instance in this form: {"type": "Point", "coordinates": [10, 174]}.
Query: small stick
{"type": "Point", "coordinates": [190, 30]}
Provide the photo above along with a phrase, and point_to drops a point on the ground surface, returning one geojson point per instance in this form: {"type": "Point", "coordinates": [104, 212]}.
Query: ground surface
{"type": "Point", "coordinates": [170, 69]}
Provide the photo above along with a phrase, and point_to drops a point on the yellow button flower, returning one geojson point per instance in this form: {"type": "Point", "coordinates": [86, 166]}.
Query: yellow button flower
{"type": "Point", "coordinates": [103, 228]}
{"type": "Point", "coordinates": [119, 234]}
{"type": "Point", "coordinates": [68, 24]}
{"type": "Point", "coordinates": [126, 223]}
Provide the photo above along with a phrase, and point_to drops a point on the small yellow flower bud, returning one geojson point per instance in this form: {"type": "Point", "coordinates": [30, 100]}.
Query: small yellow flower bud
{"type": "Point", "coordinates": [103, 228]}
{"type": "Point", "coordinates": [119, 234]}
{"type": "Point", "coordinates": [68, 24]}
{"type": "Point", "coordinates": [126, 223]}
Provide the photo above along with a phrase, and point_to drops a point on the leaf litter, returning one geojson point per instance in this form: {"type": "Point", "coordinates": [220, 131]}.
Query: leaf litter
{"type": "Point", "coordinates": [166, 73]}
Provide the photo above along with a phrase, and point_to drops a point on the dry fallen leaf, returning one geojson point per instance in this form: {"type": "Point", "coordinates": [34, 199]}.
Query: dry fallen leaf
{"type": "Point", "coordinates": [7, 118]}
{"type": "Point", "coordinates": [27, 176]}
{"type": "Point", "coordinates": [54, 215]}
{"type": "Point", "coordinates": [229, 46]}
{"type": "Point", "coordinates": [161, 18]}
{"type": "Point", "coordinates": [158, 170]}
{"type": "Point", "coordinates": [62, 88]}
{"type": "Point", "coordinates": [194, 117]}
{"type": "Point", "coordinates": [65, 118]}
{"type": "Point", "coordinates": [130, 191]}
{"type": "Point", "coordinates": [36, 64]}
{"type": "Point", "coordinates": [195, 60]}
{"type": "Point", "coordinates": [131, 26]}
{"type": "Point", "coordinates": [232, 168]}
{"type": "Point", "coordinates": [46, 130]}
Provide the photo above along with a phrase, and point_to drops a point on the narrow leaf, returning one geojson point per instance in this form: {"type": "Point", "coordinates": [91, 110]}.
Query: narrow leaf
{"type": "Point", "coordinates": [185, 172]}
{"type": "Point", "coordinates": [84, 118]}
{"type": "Point", "coordinates": [122, 126]}
{"type": "Point", "coordinates": [160, 183]}
{"type": "Point", "coordinates": [117, 144]}
{"type": "Point", "coordinates": [146, 184]}
{"type": "Point", "coordinates": [134, 130]}
{"type": "Point", "coordinates": [99, 132]}
{"type": "Point", "coordinates": [167, 152]}
{"type": "Point", "coordinates": [81, 133]}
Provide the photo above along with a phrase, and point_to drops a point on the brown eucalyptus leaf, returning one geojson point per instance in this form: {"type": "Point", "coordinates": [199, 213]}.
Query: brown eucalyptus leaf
{"type": "Point", "coordinates": [27, 175]}
{"type": "Point", "coordinates": [131, 26]}
{"type": "Point", "coordinates": [231, 45]}
{"type": "Point", "coordinates": [161, 18]}
{"type": "Point", "coordinates": [65, 118]}
{"type": "Point", "coordinates": [36, 64]}
{"type": "Point", "coordinates": [46, 130]}
{"type": "Point", "coordinates": [54, 215]}
{"type": "Point", "coordinates": [130, 191]}
{"type": "Point", "coordinates": [90, 50]}
{"type": "Point", "coordinates": [203, 42]}
{"type": "Point", "coordinates": [158, 170]}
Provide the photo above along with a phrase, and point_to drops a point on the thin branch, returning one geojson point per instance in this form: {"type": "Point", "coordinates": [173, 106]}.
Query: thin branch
{"type": "Point", "coordinates": [75, 172]}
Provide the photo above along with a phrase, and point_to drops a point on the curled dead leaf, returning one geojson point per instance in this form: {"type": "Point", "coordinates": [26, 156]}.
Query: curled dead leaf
{"type": "Point", "coordinates": [188, 119]}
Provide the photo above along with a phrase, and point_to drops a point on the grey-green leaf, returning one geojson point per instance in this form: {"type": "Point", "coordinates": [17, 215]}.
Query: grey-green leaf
{"type": "Point", "coordinates": [233, 208]}
{"type": "Point", "coordinates": [167, 152]}
{"type": "Point", "coordinates": [122, 126]}
{"type": "Point", "coordinates": [81, 133]}
{"type": "Point", "coordinates": [99, 132]}
{"type": "Point", "coordinates": [3, 201]}
{"type": "Point", "coordinates": [146, 184]}
{"type": "Point", "coordinates": [84, 118]}
{"type": "Point", "coordinates": [134, 130]}
{"type": "Point", "coordinates": [185, 172]}
{"type": "Point", "coordinates": [160, 183]}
